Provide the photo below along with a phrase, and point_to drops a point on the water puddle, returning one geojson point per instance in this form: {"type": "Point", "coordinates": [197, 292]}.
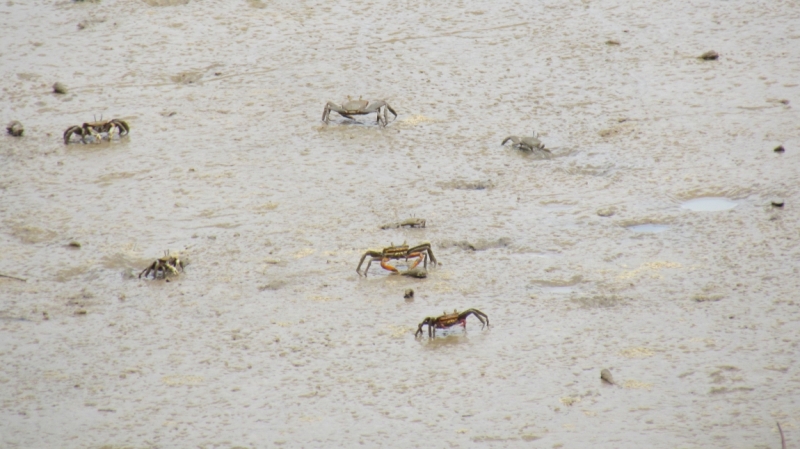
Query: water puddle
{"type": "Point", "coordinates": [648, 228]}
{"type": "Point", "coordinates": [709, 204]}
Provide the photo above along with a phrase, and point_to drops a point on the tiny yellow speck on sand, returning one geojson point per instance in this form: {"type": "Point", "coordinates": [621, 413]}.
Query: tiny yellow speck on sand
{"type": "Point", "coordinates": [303, 253]}
{"type": "Point", "coordinates": [417, 119]}
{"type": "Point", "coordinates": [650, 267]}
{"type": "Point", "coordinates": [636, 385]}
{"type": "Point", "coordinates": [568, 401]}
{"type": "Point", "coordinates": [175, 380]}
{"type": "Point", "coordinates": [637, 353]}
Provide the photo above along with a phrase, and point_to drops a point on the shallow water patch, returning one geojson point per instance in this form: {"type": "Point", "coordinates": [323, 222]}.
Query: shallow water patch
{"type": "Point", "coordinates": [709, 204]}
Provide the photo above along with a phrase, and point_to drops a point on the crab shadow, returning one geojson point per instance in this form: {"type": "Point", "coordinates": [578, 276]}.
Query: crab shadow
{"type": "Point", "coordinates": [448, 337]}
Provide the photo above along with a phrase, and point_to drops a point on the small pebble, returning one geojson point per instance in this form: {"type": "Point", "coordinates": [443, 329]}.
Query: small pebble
{"type": "Point", "coordinates": [75, 244]}
{"type": "Point", "coordinates": [605, 375]}
{"type": "Point", "coordinates": [710, 55]}
{"type": "Point", "coordinates": [15, 128]}
{"type": "Point", "coordinates": [612, 42]}
{"type": "Point", "coordinates": [777, 202]}
{"type": "Point", "coordinates": [59, 88]}
{"type": "Point", "coordinates": [779, 149]}
{"type": "Point", "coordinates": [416, 273]}
{"type": "Point", "coordinates": [409, 296]}
{"type": "Point", "coordinates": [605, 212]}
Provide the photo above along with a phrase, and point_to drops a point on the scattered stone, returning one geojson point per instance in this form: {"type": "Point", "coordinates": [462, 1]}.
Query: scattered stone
{"type": "Point", "coordinates": [607, 212]}
{"type": "Point", "coordinates": [779, 149]}
{"type": "Point", "coordinates": [59, 88]}
{"type": "Point", "coordinates": [80, 312]}
{"type": "Point", "coordinates": [409, 296]}
{"type": "Point", "coordinates": [74, 244]}
{"type": "Point", "coordinates": [605, 376]}
{"type": "Point", "coordinates": [777, 202]}
{"type": "Point", "coordinates": [416, 273]}
{"type": "Point", "coordinates": [15, 128]}
{"type": "Point", "coordinates": [707, 297]}
{"type": "Point", "coordinates": [612, 42]}
{"type": "Point", "coordinates": [710, 55]}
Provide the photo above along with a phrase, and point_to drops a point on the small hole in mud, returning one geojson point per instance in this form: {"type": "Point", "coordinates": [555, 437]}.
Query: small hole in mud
{"type": "Point", "coordinates": [709, 204]}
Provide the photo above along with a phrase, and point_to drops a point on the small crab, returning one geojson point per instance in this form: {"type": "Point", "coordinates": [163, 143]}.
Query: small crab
{"type": "Point", "coordinates": [96, 129]}
{"type": "Point", "coordinates": [526, 143]}
{"type": "Point", "coordinates": [421, 252]}
{"type": "Point", "coordinates": [164, 264]}
{"type": "Point", "coordinates": [359, 107]}
{"type": "Point", "coordinates": [450, 320]}
{"type": "Point", "coordinates": [412, 222]}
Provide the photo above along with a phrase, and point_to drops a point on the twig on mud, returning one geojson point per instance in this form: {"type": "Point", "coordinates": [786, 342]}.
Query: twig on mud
{"type": "Point", "coordinates": [783, 440]}
{"type": "Point", "coordinates": [12, 277]}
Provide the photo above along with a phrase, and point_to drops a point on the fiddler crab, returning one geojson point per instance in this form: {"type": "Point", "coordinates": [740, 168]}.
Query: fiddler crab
{"type": "Point", "coordinates": [169, 263]}
{"type": "Point", "coordinates": [450, 320]}
{"type": "Point", "coordinates": [526, 143]}
{"type": "Point", "coordinates": [422, 252]}
{"type": "Point", "coordinates": [96, 129]}
{"type": "Point", "coordinates": [360, 107]}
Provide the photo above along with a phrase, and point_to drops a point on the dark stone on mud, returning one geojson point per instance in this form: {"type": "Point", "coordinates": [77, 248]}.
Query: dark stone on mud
{"type": "Point", "coordinates": [710, 55]}
{"type": "Point", "coordinates": [777, 202]}
{"type": "Point", "coordinates": [59, 88]}
{"type": "Point", "coordinates": [15, 128]}
{"type": "Point", "coordinates": [409, 295]}
{"type": "Point", "coordinates": [779, 149]}
{"type": "Point", "coordinates": [416, 273]}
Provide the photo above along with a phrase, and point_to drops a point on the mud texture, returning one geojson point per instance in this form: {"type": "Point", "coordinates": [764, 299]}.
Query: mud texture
{"type": "Point", "coordinates": [270, 338]}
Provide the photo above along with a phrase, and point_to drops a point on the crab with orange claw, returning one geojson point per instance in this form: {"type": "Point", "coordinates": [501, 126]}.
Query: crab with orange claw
{"type": "Point", "coordinates": [527, 143]}
{"type": "Point", "coordinates": [360, 107]}
{"type": "Point", "coordinates": [421, 252]}
{"type": "Point", "coordinates": [163, 264]}
{"type": "Point", "coordinates": [450, 320]}
{"type": "Point", "coordinates": [96, 130]}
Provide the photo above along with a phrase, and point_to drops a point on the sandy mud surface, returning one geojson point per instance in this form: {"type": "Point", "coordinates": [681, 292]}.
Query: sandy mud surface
{"type": "Point", "coordinates": [646, 243]}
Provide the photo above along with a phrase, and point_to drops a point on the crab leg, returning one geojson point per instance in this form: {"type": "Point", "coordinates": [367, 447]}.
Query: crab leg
{"type": "Point", "coordinates": [420, 257]}
{"type": "Point", "coordinates": [478, 314]}
{"type": "Point", "coordinates": [386, 266]}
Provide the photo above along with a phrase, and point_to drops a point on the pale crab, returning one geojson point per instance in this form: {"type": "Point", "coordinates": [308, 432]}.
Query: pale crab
{"type": "Point", "coordinates": [449, 320]}
{"type": "Point", "coordinates": [421, 252]}
{"type": "Point", "coordinates": [96, 129]}
{"type": "Point", "coordinates": [359, 107]}
{"type": "Point", "coordinates": [171, 263]}
{"type": "Point", "coordinates": [527, 143]}
{"type": "Point", "coordinates": [412, 222]}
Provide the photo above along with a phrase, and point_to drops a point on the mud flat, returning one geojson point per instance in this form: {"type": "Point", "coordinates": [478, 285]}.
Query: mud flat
{"type": "Point", "coordinates": [270, 337]}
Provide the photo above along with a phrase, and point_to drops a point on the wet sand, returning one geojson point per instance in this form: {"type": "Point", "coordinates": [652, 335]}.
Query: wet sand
{"type": "Point", "coordinates": [593, 258]}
